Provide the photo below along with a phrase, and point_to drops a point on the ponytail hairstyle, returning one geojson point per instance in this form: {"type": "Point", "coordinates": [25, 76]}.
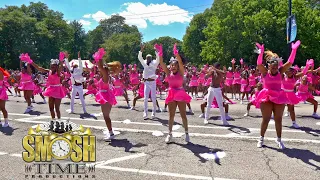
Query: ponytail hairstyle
{"type": "Point", "coordinates": [272, 58]}
{"type": "Point", "coordinates": [114, 67]}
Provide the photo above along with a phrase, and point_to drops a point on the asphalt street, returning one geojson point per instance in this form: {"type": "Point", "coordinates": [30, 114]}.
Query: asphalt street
{"type": "Point", "coordinates": [139, 151]}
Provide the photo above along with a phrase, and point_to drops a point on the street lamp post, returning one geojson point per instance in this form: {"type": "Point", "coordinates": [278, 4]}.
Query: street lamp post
{"type": "Point", "coordinates": [289, 27]}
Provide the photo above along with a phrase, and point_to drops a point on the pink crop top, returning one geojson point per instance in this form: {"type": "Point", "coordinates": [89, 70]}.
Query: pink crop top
{"type": "Point", "coordinates": [272, 82]}
{"type": "Point", "coordinates": [175, 81]}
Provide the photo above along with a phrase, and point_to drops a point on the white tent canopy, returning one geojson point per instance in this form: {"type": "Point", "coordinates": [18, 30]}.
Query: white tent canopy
{"type": "Point", "coordinates": [76, 61]}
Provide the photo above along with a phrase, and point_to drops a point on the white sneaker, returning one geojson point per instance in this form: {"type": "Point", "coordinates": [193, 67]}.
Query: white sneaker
{"type": "Point", "coordinates": [33, 101]}
{"type": "Point", "coordinates": [153, 115]}
{"type": "Point", "coordinates": [69, 111]}
{"type": "Point", "coordinates": [260, 143]}
{"type": "Point", "coordinates": [280, 144]}
{"type": "Point", "coordinates": [128, 105]}
{"type": "Point", "coordinates": [315, 115]}
{"type": "Point", "coordinates": [225, 123]}
{"type": "Point", "coordinates": [304, 102]}
{"type": "Point", "coordinates": [295, 125]}
{"type": "Point", "coordinates": [164, 110]}
{"type": "Point", "coordinates": [201, 116]}
{"type": "Point", "coordinates": [187, 138]}
{"type": "Point", "coordinates": [108, 137]}
{"type": "Point", "coordinates": [145, 116]}
{"type": "Point", "coordinates": [5, 124]}
{"type": "Point", "coordinates": [246, 114]}
{"type": "Point", "coordinates": [190, 111]}
{"type": "Point", "coordinates": [27, 110]}
{"type": "Point", "coordinates": [160, 110]}
{"type": "Point", "coordinates": [132, 108]}
{"type": "Point", "coordinates": [228, 117]}
{"type": "Point", "coordinates": [286, 115]}
{"type": "Point", "coordinates": [15, 95]}
{"type": "Point", "coordinates": [205, 121]}
{"type": "Point", "coordinates": [168, 138]}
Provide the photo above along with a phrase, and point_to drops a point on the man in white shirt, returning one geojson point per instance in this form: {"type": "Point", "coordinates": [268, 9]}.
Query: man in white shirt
{"type": "Point", "coordinates": [149, 77]}
{"type": "Point", "coordinates": [77, 79]}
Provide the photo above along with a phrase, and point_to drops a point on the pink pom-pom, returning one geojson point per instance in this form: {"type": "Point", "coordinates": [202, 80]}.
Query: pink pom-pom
{"type": "Point", "coordinates": [61, 56]}
{"type": "Point", "coordinates": [175, 50]}
{"type": "Point", "coordinates": [310, 62]}
{"type": "Point", "coordinates": [241, 61]}
{"type": "Point", "coordinates": [158, 48]}
{"type": "Point", "coordinates": [233, 61]}
{"type": "Point", "coordinates": [296, 44]}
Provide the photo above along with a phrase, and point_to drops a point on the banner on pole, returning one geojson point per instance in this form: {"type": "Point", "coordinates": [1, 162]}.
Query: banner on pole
{"type": "Point", "coordinates": [293, 28]}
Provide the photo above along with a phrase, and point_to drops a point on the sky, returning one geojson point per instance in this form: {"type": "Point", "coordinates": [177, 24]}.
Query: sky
{"type": "Point", "coordinates": [154, 18]}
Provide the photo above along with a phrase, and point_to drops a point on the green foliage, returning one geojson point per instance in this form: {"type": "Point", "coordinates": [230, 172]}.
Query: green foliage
{"type": "Point", "coordinates": [167, 46]}
{"type": "Point", "coordinates": [231, 27]}
{"type": "Point", "coordinates": [123, 47]}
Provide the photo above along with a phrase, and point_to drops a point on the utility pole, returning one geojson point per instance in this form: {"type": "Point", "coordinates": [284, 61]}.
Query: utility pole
{"type": "Point", "coordinates": [289, 28]}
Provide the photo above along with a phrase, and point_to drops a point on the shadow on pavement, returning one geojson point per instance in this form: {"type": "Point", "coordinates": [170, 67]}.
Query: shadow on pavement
{"type": "Point", "coordinates": [304, 155]}
{"type": "Point", "coordinates": [164, 122]}
{"type": "Point", "coordinates": [35, 113]}
{"type": "Point", "coordinates": [313, 132]}
{"type": "Point", "coordinates": [197, 149]}
{"type": "Point", "coordinates": [234, 128]}
{"type": "Point", "coordinates": [8, 131]}
{"type": "Point", "coordinates": [127, 145]}
{"type": "Point", "coordinates": [87, 116]}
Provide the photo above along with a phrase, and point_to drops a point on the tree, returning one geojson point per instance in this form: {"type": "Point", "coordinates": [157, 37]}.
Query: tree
{"type": "Point", "coordinates": [234, 27]}
{"type": "Point", "coordinates": [123, 47]}
{"type": "Point", "coordinates": [34, 29]}
{"type": "Point", "coordinates": [167, 46]}
{"type": "Point", "coordinates": [77, 41]}
{"type": "Point", "coordinates": [194, 35]}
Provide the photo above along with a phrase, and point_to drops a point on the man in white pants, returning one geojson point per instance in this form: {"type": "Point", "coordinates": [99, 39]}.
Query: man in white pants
{"type": "Point", "coordinates": [77, 79]}
{"type": "Point", "coordinates": [149, 77]}
{"type": "Point", "coordinates": [214, 91]}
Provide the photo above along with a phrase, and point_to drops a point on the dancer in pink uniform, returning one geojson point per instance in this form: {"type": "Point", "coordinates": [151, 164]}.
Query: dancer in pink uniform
{"type": "Point", "coordinates": [105, 96]}
{"type": "Point", "coordinates": [245, 88]}
{"type": "Point", "coordinates": [253, 101]}
{"type": "Point", "coordinates": [236, 80]}
{"type": "Point", "coordinates": [252, 79]}
{"type": "Point", "coordinates": [228, 81]}
{"type": "Point", "coordinates": [288, 85]}
{"type": "Point", "coordinates": [26, 82]}
{"type": "Point", "coordinates": [3, 97]}
{"type": "Point", "coordinates": [119, 90]}
{"type": "Point", "coordinates": [303, 93]}
{"type": "Point", "coordinates": [54, 88]}
{"type": "Point", "coordinates": [194, 84]}
{"type": "Point", "coordinates": [177, 97]}
{"type": "Point", "coordinates": [272, 98]}
{"type": "Point", "coordinates": [38, 90]}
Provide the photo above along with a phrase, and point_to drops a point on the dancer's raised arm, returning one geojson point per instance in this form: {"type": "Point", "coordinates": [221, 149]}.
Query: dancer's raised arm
{"type": "Point", "coordinates": [292, 57]}
{"type": "Point", "coordinates": [263, 70]}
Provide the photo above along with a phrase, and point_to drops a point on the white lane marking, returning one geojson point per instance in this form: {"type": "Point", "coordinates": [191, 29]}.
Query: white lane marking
{"type": "Point", "coordinates": [159, 124]}
{"type": "Point", "coordinates": [102, 163]}
{"type": "Point", "coordinates": [176, 127]}
{"type": "Point", "coordinates": [127, 121]}
{"type": "Point", "coordinates": [213, 156]}
{"type": "Point", "coordinates": [157, 133]}
{"type": "Point", "coordinates": [159, 173]}
{"type": "Point", "coordinates": [16, 155]}
{"type": "Point", "coordinates": [191, 134]}
{"type": "Point", "coordinates": [3, 153]}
